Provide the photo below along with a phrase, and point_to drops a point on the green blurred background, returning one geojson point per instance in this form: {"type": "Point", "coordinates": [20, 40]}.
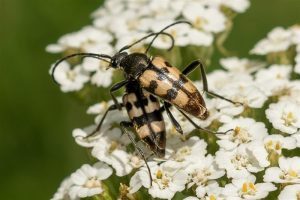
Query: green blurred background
{"type": "Point", "coordinates": [36, 119]}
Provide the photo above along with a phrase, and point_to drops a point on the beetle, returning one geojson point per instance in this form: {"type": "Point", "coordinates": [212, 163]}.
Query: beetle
{"type": "Point", "coordinates": [145, 116]}
{"type": "Point", "coordinates": [147, 80]}
{"type": "Point", "coordinates": [160, 78]}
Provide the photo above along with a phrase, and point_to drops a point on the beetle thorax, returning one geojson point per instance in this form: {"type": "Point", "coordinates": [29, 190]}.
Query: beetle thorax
{"type": "Point", "coordinates": [134, 64]}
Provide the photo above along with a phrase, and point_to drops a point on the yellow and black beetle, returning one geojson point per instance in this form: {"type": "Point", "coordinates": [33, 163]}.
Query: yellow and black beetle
{"type": "Point", "coordinates": [147, 79]}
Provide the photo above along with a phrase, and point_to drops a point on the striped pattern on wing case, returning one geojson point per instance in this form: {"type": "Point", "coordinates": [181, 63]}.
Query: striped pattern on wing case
{"type": "Point", "coordinates": [168, 83]}
{"type": "Point", "coordinates": [144, 112]}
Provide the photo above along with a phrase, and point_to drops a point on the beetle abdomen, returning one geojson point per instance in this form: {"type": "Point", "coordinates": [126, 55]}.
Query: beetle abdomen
{"type": "Point", "coordinates": [168, 83]}
{"type": "Point", "coordinates": [143, 111]}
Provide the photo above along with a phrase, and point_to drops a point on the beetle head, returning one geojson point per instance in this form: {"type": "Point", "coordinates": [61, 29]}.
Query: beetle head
{"type": "Point", "coordinates": [117, 59]}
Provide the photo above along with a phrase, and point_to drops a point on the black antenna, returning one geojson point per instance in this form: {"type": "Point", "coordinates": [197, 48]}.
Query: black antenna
{"type": "Point", "coordinates": [161, 31]}
{"type": "Point", "coordinates": [92, 55]}
{"type": "Point", "coordinates": [149, 35]}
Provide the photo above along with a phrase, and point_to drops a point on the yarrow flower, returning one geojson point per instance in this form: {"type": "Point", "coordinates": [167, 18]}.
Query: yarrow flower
{"type": "Point", "coordinates": [287, 172]}
{"type": "Point", "coordinates": [85, 182]}
{"type": "Point", "coordinates": [290, 192]}
{"type": "Point", "coordinates": [167, 180]}
{"type": "Point", "coordinates": [247, 144]}
{"type": "Point", "coordinates": [285, 116]}
{"type": "Point", "coordinates": [246, 188]}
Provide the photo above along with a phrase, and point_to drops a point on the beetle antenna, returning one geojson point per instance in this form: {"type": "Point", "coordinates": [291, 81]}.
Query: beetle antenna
{"type": "Point", "coordinates": [149, 35]}
{"type": "Point", "coordinates": [161, 31]}
{"type": "Point", "coordinates": [92, 55]}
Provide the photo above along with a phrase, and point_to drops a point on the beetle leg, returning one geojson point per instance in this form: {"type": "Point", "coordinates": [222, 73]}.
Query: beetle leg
{"type": "Point", "coordinates": [200, 128]}
{"type": "Point", "coordinates": [124, 126]}
{"type": "Point", "coordinates": [110, 108]}
{"type": "Point", "coordinates": [173, 120]}
{"type": "Point", "coordinates": [114, 88]}
{"type": "Point", "coordinates": [198, 63]}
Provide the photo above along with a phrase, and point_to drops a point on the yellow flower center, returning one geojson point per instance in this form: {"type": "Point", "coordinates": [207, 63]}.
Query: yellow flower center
{"type": "Point", "coordinates": [93, 182]}
{"type": "Point", "coordinates": [288, 118]}
{"type": "Point", "coordinates": [240, 134]}
{"type": "Point", "coordinates": [212, 197]}
{"type": "Point", "coordinates": [162, 179]}
{"type": "Point", "coordinates": [133, 24]}
{"type": "Point", "coordinates": [71, 75]}
{"type": "Point", "coordinates": [277, 146]}
{"type": "Point", "coordinates": [199, 22]}
{"type": "Point", "coordinates": [182, 153]}
{"type": "Point", "coordinates": [159, 174]}
{"type": "Point", "coordinates": [248, 188]}
{"type": "Point", "coordinates": [113, 146]}
{"type": "Point", "coordinates": [292, 173]}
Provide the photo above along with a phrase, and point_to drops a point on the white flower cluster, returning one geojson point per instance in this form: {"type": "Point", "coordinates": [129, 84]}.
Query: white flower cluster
{"type": "Point", "coordinates": [280, 40]}
{"type": "Point", "coordinates": [247, 150]}
{"type": "Point", "coordinates": [253, 153]}
{"type": "Point", "coordinates": [119, 23]}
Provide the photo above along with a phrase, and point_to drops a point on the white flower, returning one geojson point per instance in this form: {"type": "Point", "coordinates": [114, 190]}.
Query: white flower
{"type": "Point", "coordinates": [242, 65]}
{"type": "Point", "coordinates": [276, 142]}
{"type": "Point", "coordinates": [111, 149]}
{"type": "Point", "coordinates": [273, 80]}
{"type": "Point", "coordinates": [246, 188]}
{"type": "Point", "coordinates": [245, 130]}
{"type": "Point", "coordinates": [133, 37]}
{"type": "Point", "coordinates": [239, 6]}
{"type": "Point", "coordinates": [203, 17]}
{"type": "Point", "coordinates": [130, 22]}
{"type": "Point", "coordinates": [167, 180]}
{"type": "Point", "coordinates": [284, 116]}
{"type": "Point", "coordinates": [87, 39]}
{"type": "Point", "coordinates": [70, 79]}
{"type": "Point", "coordinates": [102, 75]}
{"type": "Point", "coordinates": [212, 192]}
{"type": "Point", "coordinates": [219, 79]}
{"type": "Point", "coordinates": [292, 92]}
{"type": "Point", "coordinates": [185, 152]}
{"type": "Point", "coordinates": [277, 40]}
{"type": "Point", "coordinates": [244, 92]}
{"type": "Point", "coordinates": [183, 35]}
{"type": "Point", "coordinates": [88, 180]}
{"type": "Point", "coordinates": [290, 192]}
{"type": "Point", "coordinates": [63, 190]}
{"type": "Point", "coordinates": [203, 174]}
{"type": "Point", "coordinates": [287, 172]}
{"type": "Point", "coordinates": [242, 160]}
{"type": "Point", "coordinates": [191, 198]}
{"type": "Point", "coordinates": [160, 10]}
{"type": "Point", "coordinates": [98, 108]}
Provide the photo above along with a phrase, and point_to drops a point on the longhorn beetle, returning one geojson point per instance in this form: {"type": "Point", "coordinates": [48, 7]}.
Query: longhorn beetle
{"type": "Point", "coordinates": [145, 77]}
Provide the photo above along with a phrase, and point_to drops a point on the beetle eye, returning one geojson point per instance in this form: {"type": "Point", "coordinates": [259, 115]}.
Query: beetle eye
{"type": "Point", "coordinates": [114, 63]}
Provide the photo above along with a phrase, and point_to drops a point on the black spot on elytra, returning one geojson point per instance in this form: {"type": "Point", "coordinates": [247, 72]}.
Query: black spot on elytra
{"type": "Point", "coordinates": [138, 103]}
{"type": "Point", "coordinates": [128, 106]}
{"type": "Point", "coordinates": [164, 70]}
{"type": "Point", "coordinates": [153, 85]}
{"type": "Point", "coordinates": [183, 78]}
{"type": "Point", "coordinates": [171, 94]}
{"type": "Point", "coordinates": [168, 64]}
{"type": "Point", "coordinates": [152, 98]}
